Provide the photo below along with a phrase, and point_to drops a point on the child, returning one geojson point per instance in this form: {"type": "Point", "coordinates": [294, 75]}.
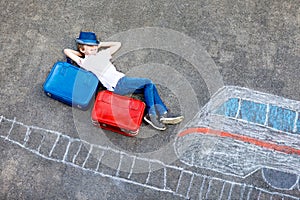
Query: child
{"type": "Point", "coordinates": [119, 83]}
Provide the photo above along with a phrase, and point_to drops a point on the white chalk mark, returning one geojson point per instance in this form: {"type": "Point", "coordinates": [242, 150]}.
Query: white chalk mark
{"type": "Point", "coordinates": [67, 150]}
{"type": "Point", "coordinates": [295, 122]}
{"type": "Point", "coordinates": [42, 141]}
{"type": "Point", "coordinates": [165, 178]}
{"type": "Point", "coordinates": [179, 180]}
{"type": "Point", "coordinates": [88, 155]}
{"type": "Point", "coordinates": [193, 158]}
{"type": "Point", "coordinates": [99, 161]}
{"type": "Point", "coordinates": [11, 128]}
{"type": "Point", "coordinates": [150, 161]}
{"type": "Point", "coordinates": [222, 190]}
{"type": "Point", "coordinates": [149, 173]}
{"type": "Point", "coordinates": [119, 165]}
{"type": "Point", "coordinates": [75, 156]}
{"type": "Point", "coordinates": [131, 169]}
{"type": "Point", "coordinates": [208, 189]}
{"type": "Point", "coordinates": [89, 170]}
{"type": "Point", "coordinates": [26, 138]}
{"type": "Point", "coordinates": [249, 193]}
{"type": "Point", "coordinates": [202, 187]}
{"type": "Point", "coordinates": [267, 115]}
{"type": "Point", "coordinates": [230, 191]}
{"type": "Point", "coordinates": [54, 145]}
{"type": "Point", "coordinates": [238, 109]}
{"type": "Point", "coordinates": [190, 186]}
{"type": "Point", "coordinates": [258, 198]}
{"type": "Point", "coordinates": [242, 192]}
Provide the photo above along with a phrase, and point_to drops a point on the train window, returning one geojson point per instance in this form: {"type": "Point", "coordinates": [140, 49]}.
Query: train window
{"type": "Point", "coordinates": [281, 118]}
{"type": "Point", "coordinates": [273, 116]}
{"type": "Point", "coordinates": [229, 108]}
{"type": "Point", "coordinates": [253, 112]}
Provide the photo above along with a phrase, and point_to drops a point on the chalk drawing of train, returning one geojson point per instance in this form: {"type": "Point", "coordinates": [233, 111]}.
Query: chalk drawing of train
{"type": "Point", "coordinates": [240, 131]}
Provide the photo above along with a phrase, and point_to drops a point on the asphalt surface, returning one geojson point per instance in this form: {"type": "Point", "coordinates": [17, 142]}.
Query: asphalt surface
{"type": "Point", "coordinates": [189, 48]}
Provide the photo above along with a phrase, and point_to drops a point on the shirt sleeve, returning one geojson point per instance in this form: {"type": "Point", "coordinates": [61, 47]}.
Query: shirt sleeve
{"type": "Point", "coordinates": [107, 53]}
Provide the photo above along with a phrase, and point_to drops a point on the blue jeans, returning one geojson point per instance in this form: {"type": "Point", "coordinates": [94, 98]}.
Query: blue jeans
{"type": "Point", "coordinates": [130, 85]}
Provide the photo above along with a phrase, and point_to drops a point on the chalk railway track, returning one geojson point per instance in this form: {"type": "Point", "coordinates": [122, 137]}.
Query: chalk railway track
{"type": "Point", "coordinates": [74, 152]}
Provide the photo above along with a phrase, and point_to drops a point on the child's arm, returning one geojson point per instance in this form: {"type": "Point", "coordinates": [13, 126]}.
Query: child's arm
{"type": "Point", "coordinates": [74, 55]}
{"type": "Point", "coordinates": [112, 46]}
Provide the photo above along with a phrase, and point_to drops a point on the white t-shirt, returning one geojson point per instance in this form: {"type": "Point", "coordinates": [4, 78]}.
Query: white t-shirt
{"type": "Point", "coordinates": [101, 66]}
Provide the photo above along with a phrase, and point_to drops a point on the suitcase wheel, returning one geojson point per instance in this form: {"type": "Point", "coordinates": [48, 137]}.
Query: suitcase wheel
{"type": "Point", "coordinates": [48, 94]}
{"type": "Point", "coordinates": [132, 133]}
{"type": "Point", "coordinates": [95, 123]}
{"type": "Point", "coordinates": [79, 106]}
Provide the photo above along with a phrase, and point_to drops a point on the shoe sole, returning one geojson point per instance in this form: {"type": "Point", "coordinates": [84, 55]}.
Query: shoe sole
{"type": "Point", "coordinates": [149, 122]}
{"type": "Point", "coordinates": [172, 120]}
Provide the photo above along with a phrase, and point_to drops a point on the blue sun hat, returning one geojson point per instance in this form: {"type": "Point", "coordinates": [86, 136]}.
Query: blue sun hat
{"type": "Point", "coordinates": [88, 38]}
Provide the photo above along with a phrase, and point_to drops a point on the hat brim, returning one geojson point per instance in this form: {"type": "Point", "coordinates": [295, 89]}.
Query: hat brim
{"type": "Point", "coordinates": [87, 42]}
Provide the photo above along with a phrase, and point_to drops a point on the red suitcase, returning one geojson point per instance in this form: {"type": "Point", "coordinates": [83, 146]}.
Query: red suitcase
{"type": "Point", "coordinates": [118, 113]}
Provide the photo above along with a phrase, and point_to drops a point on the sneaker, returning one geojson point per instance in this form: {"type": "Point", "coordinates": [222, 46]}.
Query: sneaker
{"type": "Point", "coordinates": [152, 120]}
{"type": "Point", "coordinates": [168, 119]}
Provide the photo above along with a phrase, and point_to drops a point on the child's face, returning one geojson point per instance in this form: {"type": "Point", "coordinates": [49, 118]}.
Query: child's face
{"type": "Point", "coordinates": [89, 49]}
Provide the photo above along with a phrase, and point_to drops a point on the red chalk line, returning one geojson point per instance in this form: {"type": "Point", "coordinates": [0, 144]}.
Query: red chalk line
{"type": "Point", "coordinates": [257, 142]}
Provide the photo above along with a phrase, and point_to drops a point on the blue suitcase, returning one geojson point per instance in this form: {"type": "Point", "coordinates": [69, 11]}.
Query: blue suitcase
{"type": "Point", "coordinates": [71, 85]}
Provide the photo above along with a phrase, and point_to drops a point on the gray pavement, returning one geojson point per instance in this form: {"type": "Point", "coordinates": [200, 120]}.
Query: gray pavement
{"type": "Point", "coordinates": [46, 146]}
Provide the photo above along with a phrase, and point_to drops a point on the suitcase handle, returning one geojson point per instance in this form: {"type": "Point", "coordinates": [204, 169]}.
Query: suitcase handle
{"type": "Point", "coordinates": [119, 101]}
{"type": "Point", "coordinates": [63, 71]}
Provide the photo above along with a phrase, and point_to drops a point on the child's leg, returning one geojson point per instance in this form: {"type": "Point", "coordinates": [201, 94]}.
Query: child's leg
{"type": "Point", "coordinates": [160, 106]}
{"type": "Point", "coordinates": [130, 85]}
{"type": "Point", "coordinates": [158, 103]}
